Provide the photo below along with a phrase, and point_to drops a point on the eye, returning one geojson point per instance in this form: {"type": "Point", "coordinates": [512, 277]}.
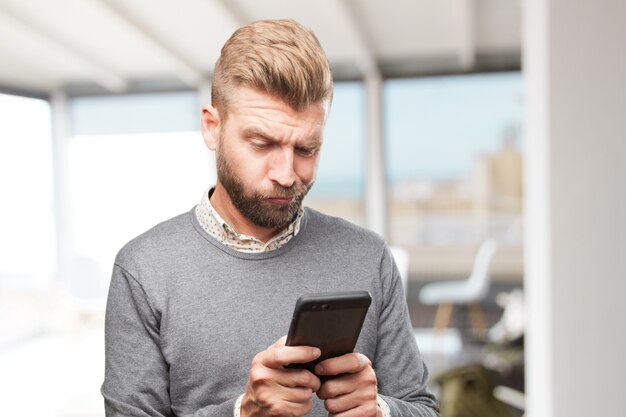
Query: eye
{"type": "Point", "coordinates": [306, 151]}
{"type": "Point", "coordinates": [260, 144]}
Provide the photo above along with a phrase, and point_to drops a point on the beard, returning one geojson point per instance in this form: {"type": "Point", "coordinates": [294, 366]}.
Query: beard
{"type": "Point", "coordinates": [253, 204]}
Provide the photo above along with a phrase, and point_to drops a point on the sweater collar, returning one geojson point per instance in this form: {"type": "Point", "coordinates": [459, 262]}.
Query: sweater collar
{"type": "Point", "coordinates": [217, 227]}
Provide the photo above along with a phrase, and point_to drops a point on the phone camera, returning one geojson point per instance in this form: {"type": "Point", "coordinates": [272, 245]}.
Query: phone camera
{"type": "Point", "coordinates": [324, 306]}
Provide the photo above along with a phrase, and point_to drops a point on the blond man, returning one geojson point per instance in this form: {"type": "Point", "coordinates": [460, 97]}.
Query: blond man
{"type": "Point", "coordinates": [199, 305]}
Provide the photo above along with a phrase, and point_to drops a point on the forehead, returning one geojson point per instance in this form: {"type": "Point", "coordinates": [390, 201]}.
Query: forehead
{"type": "Point", "coordinates": [250, 106]}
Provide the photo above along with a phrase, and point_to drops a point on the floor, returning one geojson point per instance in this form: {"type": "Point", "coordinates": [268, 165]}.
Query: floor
{"type": "Point", "coordinates": [54, 375]}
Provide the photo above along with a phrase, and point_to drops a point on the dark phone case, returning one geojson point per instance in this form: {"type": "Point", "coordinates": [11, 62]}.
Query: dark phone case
{"type": "Point", "coordinates": [320, 320]}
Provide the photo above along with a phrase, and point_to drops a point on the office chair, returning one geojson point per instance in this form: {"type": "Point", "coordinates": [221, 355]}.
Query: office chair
{"type": "Point", "coordinates": [466, 292]}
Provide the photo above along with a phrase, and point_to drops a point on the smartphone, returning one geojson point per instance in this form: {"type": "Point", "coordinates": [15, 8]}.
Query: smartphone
{"type": "Point", "coordinates": [329, 321]}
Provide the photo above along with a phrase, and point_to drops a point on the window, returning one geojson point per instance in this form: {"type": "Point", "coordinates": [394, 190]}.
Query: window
{"type": "Point", "coordinates": [26, 188]}
{"type": "Point", "coordinates": [339, 188]}
{"type": "Point", "coordinates": [27, 245]}
{"type": "Point", "coordinates": [454, 167]}
{"type": "Point", "coordinates": [135, 161]}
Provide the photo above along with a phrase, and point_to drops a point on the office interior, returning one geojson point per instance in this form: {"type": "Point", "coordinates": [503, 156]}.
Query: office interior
{"type": "Point", "coordinates": [484, 139]}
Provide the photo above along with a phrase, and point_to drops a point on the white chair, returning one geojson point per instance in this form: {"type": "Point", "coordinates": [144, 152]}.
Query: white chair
{"type": "Point", "coordinates": [469, 292]}
{"type": "Point", "coordinates": [401, 257]}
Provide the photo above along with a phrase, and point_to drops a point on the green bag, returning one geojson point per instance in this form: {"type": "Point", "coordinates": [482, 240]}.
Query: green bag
{"type": "Point", "coordinates": [468, 392]}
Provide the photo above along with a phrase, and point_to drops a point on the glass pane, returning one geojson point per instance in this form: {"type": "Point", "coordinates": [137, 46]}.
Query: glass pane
{"type": "Point", "coordinates": [339, 187]}
{"type": "Point", "coordinates": [27, 237]}
{"type": "Point", "coordinates": [455, 172]}
{"type": "Point", "coordinates": [122, 185]}
{"type": "Point", "coordinates": [27, 247]}
{"type": "Point", "coordinates": [135, 113]}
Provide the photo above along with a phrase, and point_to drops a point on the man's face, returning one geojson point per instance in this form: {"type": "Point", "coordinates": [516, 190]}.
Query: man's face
{"type": "Point", "coordinates": [255, 204]}
{"type": "Point", "coordinates": [267, 155]}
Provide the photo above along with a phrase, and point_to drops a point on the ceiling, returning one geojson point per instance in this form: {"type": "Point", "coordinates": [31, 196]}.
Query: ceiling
{"type": "Point", "coordinates": [116, 46]}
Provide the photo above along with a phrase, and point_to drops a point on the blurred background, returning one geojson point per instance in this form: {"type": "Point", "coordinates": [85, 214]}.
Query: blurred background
{"type": "Point", "coordinates": [484, 139]}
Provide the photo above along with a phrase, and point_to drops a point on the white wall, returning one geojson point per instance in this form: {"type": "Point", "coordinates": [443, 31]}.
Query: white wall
{"type": "Point", "coordinates": [575, 69]}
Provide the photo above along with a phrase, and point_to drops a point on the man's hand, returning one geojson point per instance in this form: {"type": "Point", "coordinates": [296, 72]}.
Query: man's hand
{"type": "Point", "coordinates": [276, 391]}
{"type": "Point", "coordinates": [353, 392]}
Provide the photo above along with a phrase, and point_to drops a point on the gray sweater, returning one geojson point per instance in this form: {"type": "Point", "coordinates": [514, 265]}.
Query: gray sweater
{"type": "Point", "coordinates": [186, 315]}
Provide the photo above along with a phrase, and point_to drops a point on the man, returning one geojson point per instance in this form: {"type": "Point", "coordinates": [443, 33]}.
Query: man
{"type": "Point", "coordinates": [197, 305]}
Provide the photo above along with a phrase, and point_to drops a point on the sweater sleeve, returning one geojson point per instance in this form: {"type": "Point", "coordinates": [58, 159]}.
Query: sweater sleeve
{"type": "Point", "coordinates": [401, 372]}
{"type": "Point", "coordinates": [136, 381]}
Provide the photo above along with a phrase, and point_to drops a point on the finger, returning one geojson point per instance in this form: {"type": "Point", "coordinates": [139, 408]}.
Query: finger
{"type": "Point", "coordinates": [298, 395]}
{"type": "Point", "coordinates": [368, 409]}
{"type": "Point", "coordinates": [266, 396]}
{"type": "Point", "coordinates": [350, 363]}
{"type": "Point", "coordinates": [285, 401]}
{"type": "Point", "coordinates": [295, 408]}
{"type": "Point", "coordinates": [279, 356]}
{"type": "Point", "coordinates": [365, 382]}
{"type": "Point", "coordinates": [263, 376]}
{"type": "Point", "coordinates": [297, 378]}
{"type": "Point", "coordinates": [338, 386]}
{"type": "Point", "coordinates": [349, 401]}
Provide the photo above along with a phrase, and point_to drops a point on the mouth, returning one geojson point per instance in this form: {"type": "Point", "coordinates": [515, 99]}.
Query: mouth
{"type": "Point", "coordinates": [280, 200]}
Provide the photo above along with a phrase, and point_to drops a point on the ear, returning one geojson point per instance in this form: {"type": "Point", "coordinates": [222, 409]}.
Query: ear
{"type": "Point", "coordinates": [211, 126]}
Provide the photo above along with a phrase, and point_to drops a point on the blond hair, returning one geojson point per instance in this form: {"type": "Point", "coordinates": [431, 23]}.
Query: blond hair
{"type": "Point", "coordinates": [279, 57]}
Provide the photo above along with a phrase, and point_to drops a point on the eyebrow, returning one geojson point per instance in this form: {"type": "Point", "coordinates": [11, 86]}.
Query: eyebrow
{"type": "Point", "coordinates": [250, 132]}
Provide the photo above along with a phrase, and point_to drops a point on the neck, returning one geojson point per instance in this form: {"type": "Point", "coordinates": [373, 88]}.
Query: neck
{"type": "Point", "coordinates": [222, 203]}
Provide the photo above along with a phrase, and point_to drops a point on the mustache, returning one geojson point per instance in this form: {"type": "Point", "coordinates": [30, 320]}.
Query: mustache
{"type": "Point", "coordinates": [287, 192]}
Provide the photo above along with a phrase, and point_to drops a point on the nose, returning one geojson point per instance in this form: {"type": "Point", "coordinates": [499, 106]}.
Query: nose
{"type": "Point", "coordinates": [282, 168]}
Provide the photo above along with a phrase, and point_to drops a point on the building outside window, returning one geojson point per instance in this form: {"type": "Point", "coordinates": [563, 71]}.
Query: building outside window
{"type": "Point", "coordinates": [454, 169]}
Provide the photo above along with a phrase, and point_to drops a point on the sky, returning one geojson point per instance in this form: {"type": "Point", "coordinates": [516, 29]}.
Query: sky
{"type": "Point", "coordinates": [434, 127]}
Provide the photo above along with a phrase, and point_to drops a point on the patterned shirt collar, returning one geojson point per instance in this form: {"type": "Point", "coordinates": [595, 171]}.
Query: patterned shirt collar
{"type": "Point", "coordinates": [216, 226]}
